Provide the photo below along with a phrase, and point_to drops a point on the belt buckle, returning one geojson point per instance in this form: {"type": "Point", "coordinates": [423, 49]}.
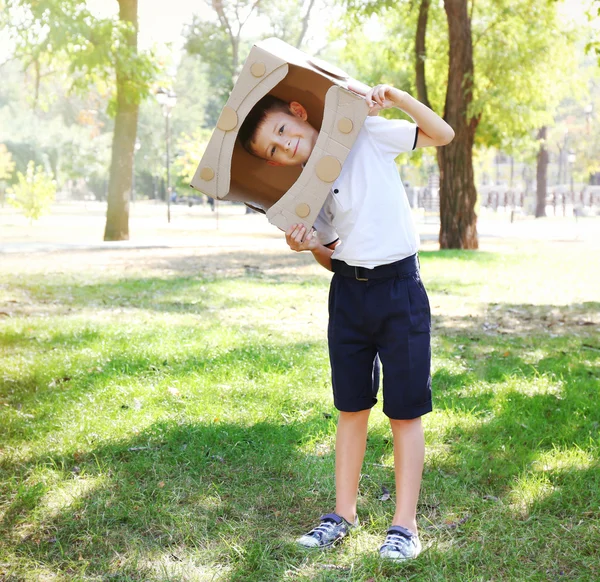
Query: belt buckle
{"type": "Point", "coordinates": [356, 273]}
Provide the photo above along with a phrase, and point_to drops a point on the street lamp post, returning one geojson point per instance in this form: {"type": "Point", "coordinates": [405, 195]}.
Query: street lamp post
{"type": "Point", "coordinates": [589, 111]}
{"type": "Point", "coordinates": [571, 159]}
{"type": "Point", "coordinates": [168, 100]}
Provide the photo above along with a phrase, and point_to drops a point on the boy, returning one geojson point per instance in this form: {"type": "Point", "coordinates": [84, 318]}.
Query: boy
{"type": "Point", "coordinates": [378, 307]}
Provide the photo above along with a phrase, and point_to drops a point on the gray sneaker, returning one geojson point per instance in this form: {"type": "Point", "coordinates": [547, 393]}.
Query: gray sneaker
{"type": "Point", "coordinates": [332, 529]}
{"type": "Point", "coordinates": [400, 544]}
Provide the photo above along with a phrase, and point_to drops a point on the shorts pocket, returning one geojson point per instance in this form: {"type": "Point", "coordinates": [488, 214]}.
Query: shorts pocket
{"type": "Point", "coordinates": [420, 311]}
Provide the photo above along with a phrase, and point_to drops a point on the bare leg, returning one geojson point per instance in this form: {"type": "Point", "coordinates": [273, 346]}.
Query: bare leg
{"type": "Point", "coordinates": [409, 457]}
{"type": "Point", "coordinates": [350, 445]}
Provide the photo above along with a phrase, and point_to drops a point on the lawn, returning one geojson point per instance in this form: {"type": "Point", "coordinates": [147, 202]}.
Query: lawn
{"type": "Point", "coordinates": [167, 416]}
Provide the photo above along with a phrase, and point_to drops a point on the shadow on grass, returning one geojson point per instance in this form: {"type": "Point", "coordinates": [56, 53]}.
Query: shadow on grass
{"type": "Point", "coordinates": [193, 295]}
{"type": "Point", "coordinates": [520, 411]}
{"type": "Point", "coordinates": [205, 496]}
{"type": "Point", "coordinates": [188, 499]}
{"type": "Point", "coordinates": [57, 400]}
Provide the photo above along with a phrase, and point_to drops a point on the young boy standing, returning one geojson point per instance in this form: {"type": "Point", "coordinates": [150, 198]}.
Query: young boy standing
{"type": "Point", "coordinates": [378, 306]}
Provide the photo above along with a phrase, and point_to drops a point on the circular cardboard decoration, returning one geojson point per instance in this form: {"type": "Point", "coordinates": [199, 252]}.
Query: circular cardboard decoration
{"type": "Point", "coordinates": [228, 119]}
{"type": "Point", "coordinates": [328, 168]}
{"type": "Point", "coordinates": [303, 210]}
{"type": "Point", "coordinates": [328, 69]}
{"type": "Point", "coordinates": [345, 125]}
{"type": "Point", "coordinates": [258, 69]}
{"type": "Point", "coordinates": [207, 174]}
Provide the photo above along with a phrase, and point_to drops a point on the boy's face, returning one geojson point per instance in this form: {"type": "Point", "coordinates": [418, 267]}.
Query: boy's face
{"type": "Point", "coordinates": [285, 139]}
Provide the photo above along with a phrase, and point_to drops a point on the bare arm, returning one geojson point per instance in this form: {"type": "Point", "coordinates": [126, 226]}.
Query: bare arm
{"type": "Point", "coordinates": [297, 241]}
{"type": "Point", "coordinates": [433, 130]}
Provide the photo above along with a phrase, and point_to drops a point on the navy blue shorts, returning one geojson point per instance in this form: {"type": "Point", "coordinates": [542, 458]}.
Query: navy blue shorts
{"type": "Point", "coordinates": [380, 315]}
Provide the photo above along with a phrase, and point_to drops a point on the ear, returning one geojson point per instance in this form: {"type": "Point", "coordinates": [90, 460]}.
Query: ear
{"type": "Point", "coordinates": [272, 163]}
{"type": "Point", "coordinates": [298, 110]}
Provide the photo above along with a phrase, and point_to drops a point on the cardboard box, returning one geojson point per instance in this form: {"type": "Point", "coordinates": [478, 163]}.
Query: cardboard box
{"type": "Point", "coordinates": [335, 107]}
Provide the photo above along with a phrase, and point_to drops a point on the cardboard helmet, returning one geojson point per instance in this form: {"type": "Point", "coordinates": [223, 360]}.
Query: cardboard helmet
{"type": "Point", "coordinates": [335, 107]}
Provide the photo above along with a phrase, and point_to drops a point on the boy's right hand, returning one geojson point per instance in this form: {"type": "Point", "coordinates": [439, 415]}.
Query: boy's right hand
{"type": "Point", "coordinates": [299, 240]}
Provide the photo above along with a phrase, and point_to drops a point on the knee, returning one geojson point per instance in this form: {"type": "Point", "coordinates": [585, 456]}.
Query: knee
{"type": "Point", "coordinates": [355, 416]}
{"type": "Point", "coordinates": [406, 424]}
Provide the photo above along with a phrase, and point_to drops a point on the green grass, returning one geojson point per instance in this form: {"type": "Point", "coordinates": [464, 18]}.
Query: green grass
{"type": "Point", "coordinates": [169, 426]}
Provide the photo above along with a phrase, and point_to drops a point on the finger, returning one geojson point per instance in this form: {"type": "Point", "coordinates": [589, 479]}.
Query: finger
{"type": "Point", "coordinates": [375, 109]}
{"type": "Point", "coordinates": [300, 234]}
{"type": "Point", "coordinates": [358, 87]}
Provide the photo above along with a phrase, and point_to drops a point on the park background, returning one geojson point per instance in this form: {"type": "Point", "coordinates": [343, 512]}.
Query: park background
{"type": "Point", "coordinates": [165, 409]}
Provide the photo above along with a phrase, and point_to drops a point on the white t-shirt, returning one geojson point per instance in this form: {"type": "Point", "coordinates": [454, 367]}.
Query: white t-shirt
{"type": "Point", "coordinates": [367, 207]}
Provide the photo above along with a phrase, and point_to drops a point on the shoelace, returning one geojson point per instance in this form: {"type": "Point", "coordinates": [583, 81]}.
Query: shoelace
{"type": "Point", "coordinates": [396, 541]}
{"type": "Point", "coordinates": [323, 528]}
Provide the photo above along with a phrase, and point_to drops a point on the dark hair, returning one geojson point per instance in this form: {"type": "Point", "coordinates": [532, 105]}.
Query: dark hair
{"type": "Point", "coordinates": [256, 118]}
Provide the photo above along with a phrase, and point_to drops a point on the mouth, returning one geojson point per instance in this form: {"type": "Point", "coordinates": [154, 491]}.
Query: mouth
{"type": "Point", "coordinates": [296, 148]}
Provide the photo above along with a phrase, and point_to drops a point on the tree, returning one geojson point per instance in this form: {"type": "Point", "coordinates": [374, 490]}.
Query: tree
{"type": "Point", "coordinates": [7, 167]}
{"type": "Point", "coordinates": [487, 68]}
{"type": "Point", "coordinates": [221, 41]}
{"type": "Point", "coordinates": [127, 107]}
{"type": "Point", "coordinates": [33, 193]}
{"type": "Point", "coordinates": [192, 148]}
{"type": "Point", "coordinates": [101, 52]}
{"type": "Point", "coordinates": [594, 14]}
{"type": "Point", "coordinates": [288, 20]}
{"type": "Point", "coordinates": [541, 174]}
{"type": "Point", "coordinates": [458, 221]}
{"type": "Point", "coordinates": [218, 41]}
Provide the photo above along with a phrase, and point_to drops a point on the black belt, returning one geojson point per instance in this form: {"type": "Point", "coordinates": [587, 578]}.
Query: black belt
{"type": "Point", "coordinates": [403, 267]}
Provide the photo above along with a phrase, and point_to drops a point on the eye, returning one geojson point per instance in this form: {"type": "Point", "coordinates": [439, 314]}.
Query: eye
{"type": "Point", "coordinates": [273, 151]}
{"type": "Point", "coordinates": [281, 129]}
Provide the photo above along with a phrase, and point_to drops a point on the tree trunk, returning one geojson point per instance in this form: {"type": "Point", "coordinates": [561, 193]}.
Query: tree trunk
{"type": "Point", "coordinates": [458, 221]}
{"type": "Point", "coordinates": [421, 53]}
{"type": "Point", "coordinates": [542, 175]}
{"type": "Point", "coordinates": [121, 167]}
{"type": "Point", "coordinates": [305, 21]}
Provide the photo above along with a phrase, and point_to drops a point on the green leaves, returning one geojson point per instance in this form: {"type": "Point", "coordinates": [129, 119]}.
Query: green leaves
{"type": "Point", "coordinates": [50, 32]}
{"type": "Point", "coordinates": [524, 57]}
{"type": "Point", "coordinates": [34, 192]}
{"type": "Point", "coordinates": [7, 165]}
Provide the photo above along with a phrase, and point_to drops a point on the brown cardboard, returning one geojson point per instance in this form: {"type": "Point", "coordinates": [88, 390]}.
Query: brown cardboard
{"type": "Point", "coordinates": [288, 195]}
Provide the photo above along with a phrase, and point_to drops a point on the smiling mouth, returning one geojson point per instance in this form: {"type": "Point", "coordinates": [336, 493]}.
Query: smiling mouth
{"type": "Point", "coordinates": [296, 148]}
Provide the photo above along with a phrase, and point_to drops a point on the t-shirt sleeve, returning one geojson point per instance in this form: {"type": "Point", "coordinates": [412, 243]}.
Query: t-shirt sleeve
{"type": "Point", "coordinates": [392, 136]}
{"type": "Point", "coordinates": [326, 234]}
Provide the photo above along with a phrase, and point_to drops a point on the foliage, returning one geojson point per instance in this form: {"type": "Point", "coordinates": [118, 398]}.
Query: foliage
{"type": "Point", "coordinates": [211, 43]}
{"type": "Point", "coordinates": [525, 63]}
{"type": "Point", "coordinates": [7, 165]}
{"type": "Point", "coordinates": [594, 16]}
{"type": "Point", "coordinates": [291, 21]}
{"type": "Point", "coordinates": [70, 134]}
{"type": "Point", "coordinates": [33, 193]}
{"type": "Point", "coordinates": [65, 33]}
{"type": "Point", "coordinates": [221, 37]}
{"type": "Point", "coordinates": [522, 69]}
{"type": "Point", "coordinates": [191, 149]}
{"type": "Point", "coordinates": [575, 129]}
{"type": "Point", "coordinates": [216, 36]}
